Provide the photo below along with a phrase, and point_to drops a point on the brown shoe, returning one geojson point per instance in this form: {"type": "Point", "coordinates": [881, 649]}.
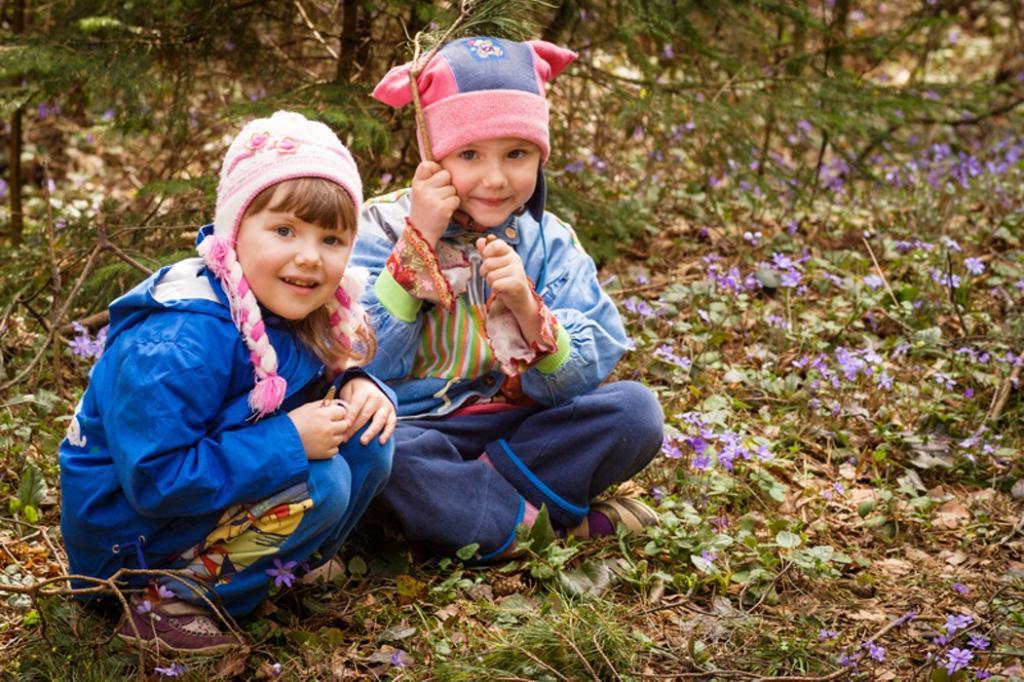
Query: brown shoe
{"type": "Point", "coordinates": [633, 514]}
{"type": "Point", "coordinates": [175, 626]}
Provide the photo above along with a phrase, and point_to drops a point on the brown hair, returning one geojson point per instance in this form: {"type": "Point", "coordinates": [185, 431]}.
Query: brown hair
{"type": "Point", "coordinates": [327, 205]}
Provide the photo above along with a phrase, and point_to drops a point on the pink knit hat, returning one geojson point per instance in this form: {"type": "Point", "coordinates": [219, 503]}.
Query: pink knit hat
{"type": "Point", "coordinates": [481, 88]}
{"type": "Point", "coordinates": [267, 151]}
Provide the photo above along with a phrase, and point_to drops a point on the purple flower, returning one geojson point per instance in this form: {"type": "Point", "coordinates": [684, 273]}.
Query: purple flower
{"type": "Point", "coordinates": [782, 262]}
{"type": "Point", "coordinates": [173, 670]}
{"type": "Point", "coordinates": [397, 659]}
{"type": "Point", "coordinates": [873, 281]}
{"type": "Point", "coordinates": [960, 587]}
{"type": "Point", "coordinates": [906, 618]}
{"type": "Point", "coordinates": [574, 167]}
{"type": "Point", "coordinates": [276, 668]}
{"type": "Point", "coordinates": [982, 675]}
{"type": "Point", "coordinates": [667, 353]}
{"type": "Point", "coordinates": [283, 574]}
{"type": "Point", "coordinates": [670, 449]}
{"type": "Point", "coordinates": [638, 307]}
{"type": "Point", "coordinates": [946, 280]}
{"type": "Point", "coordinates": [975, 266]}
{"type": "Point", "coordinates": [667, 51]}
{"type": "Point", "coordinates": [978, 642]}
{"type": "Point", "coordinates": [709, 557]}
{"type": "Point", "coordinates": [790, 278]}
{"type": "Point", "coordinates": [876, 652]}
{"type": "Point", "coordinates": [848, 661]}
{"type": "Point", "coordinates": [658, 493]}
{"type": "Point", "coordinates": [951, 244]}
{"type": "Point", "coordinates": [824, 634]}
{"type": "Point", "coordinates": [957, 622]}
{"type": "Point", "coordinates": [143, 607]}
{"type": "Point", "coordinates": [957, 658]}
{"type": "Point", "coordinates": [109, 114]}
{"type": "Point", "coordinates": [164, 593]}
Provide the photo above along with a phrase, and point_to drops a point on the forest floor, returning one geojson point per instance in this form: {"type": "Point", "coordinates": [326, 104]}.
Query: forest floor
{"type": "Point", "coordinates": [838, 492]}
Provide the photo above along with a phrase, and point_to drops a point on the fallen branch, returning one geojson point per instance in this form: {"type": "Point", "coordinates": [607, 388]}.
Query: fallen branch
{"type": "Point", "coordinates": [1003, 394]}
{"type": "Point", "coordinates": [110, 586]}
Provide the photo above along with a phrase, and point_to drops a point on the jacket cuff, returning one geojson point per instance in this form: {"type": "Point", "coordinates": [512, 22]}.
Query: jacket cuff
{"type": "Point", "coordinates": [395, 298]}
{"type": "Point", "coordinates": [357, 372]}
{"type": "Point", "coordinates": [510, 348]}
{"type": "Point", "coordinates": [554, 361]}
{"type": "Point", "coordinates": [414, 265]}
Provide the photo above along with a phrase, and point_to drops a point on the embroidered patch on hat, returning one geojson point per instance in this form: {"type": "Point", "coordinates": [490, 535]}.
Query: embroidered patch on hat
{"type": "Point", "coordinates": [485, 49]}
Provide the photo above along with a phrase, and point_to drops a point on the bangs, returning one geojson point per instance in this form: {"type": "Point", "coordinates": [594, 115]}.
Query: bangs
{"type": "Point", "coordinates": [314, 200]}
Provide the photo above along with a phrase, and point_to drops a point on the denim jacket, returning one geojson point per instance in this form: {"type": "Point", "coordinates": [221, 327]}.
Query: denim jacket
{"type": "Point", "coordinates": [590, 334]}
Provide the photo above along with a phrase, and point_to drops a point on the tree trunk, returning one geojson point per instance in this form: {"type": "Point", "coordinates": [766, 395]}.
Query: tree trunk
{"type": "Point", "coordinates": [14, 151]}
{"type": "Point", "coordinates": [567, 11]}
{"type": "Point", "coordinates": [349, 42]}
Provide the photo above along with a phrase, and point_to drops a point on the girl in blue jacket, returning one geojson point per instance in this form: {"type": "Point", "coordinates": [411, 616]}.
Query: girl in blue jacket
{"type": "Point", "coordinates": [203, 441]}
{"type": "Point", "coordinates": [492, 327]}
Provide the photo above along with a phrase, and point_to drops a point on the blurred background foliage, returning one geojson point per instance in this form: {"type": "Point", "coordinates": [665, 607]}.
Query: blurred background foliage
{"type": "Point", "coordinates": [678, 116]}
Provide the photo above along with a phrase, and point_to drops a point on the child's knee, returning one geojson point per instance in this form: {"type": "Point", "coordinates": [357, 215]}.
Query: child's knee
{"type": "Point", "coordinates": [378, 459]}
{"type": "Point", "coordinates": [370, 463]}
{"type": "Point", "coordinates": [641, 415]}
{"type": "Point", "coordinates": [330, 483]}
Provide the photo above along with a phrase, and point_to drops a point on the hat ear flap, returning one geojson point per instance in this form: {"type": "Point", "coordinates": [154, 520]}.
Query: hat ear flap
{"type": "Point", "coordinates": [550, 59]}
{"type": "Point", "coordinates": [393, 89]}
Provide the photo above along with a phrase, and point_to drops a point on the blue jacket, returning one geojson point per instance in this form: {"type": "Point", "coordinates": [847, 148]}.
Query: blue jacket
{"type": "Point", "coordinates": [590, 341]}
{"type": "Point", "coordinates": [162, 440]}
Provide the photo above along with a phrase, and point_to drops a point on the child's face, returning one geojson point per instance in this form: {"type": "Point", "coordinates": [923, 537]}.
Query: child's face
{"type": "Point", "coordinates": [493, 177]}
{"type": "Point", "coordinates": [293, 267]}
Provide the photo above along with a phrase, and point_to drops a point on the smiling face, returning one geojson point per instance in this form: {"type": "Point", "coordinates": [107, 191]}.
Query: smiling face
{"type": "Point", "coordinates": [493, 178]}
{"type": "Point", "coordinates": [293, 266]}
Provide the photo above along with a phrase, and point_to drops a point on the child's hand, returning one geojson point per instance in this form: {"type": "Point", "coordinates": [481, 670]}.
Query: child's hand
{"type": "Point", "coordinates": [366, 401]}
{"type": "Point", "coordinates": [503, 269]}
{"type": "Point", "coordinates": [433, 200]}
{"type": "Point", "coordinates": [321, 427]}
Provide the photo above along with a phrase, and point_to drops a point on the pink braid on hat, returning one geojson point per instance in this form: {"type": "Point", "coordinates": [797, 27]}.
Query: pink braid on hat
{"type": "Point", "coordinates": [266, 152]}
{"type": "Point", "coordinates": [348, 318]}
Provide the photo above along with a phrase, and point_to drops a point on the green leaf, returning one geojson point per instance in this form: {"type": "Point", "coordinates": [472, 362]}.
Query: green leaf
{"type": "Point", "coordinates": [31, 486]}
{"type": "Point", "coordinates": [30, 513]}
{"type": "Point", "coordinates": [787, 540]}
{"type": "Point", "coordinates": [543, 533]}
{"type": "Point", "coordinates": [468, 552]}
{"type": "Point", "coordinates": [357, 565]}
{"type": "Point", "coordinates": [590, 580]}
{"type": "Point", "coordinates": [31, 618]}
{"type": "Point", "coordinates": [94, 24]}
{"type": "Point", "coordinates": [332, 637]}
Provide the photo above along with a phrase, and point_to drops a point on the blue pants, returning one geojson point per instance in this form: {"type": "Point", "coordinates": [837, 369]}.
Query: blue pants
{"type": "Point", "coordinates": [561, 456]}
{"type": "Point", "coordinates": [305, 524]}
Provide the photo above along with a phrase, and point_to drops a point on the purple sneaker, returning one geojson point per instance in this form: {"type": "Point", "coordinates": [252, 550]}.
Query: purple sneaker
{"type": "Point", "coordinates": [175, 626]}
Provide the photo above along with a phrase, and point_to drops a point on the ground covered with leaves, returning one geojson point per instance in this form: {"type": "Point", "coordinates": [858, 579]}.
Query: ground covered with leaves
{"type": "Point", "coordinates": [817, 249]}
{"type": "Point", "coordinates": [838, 487]}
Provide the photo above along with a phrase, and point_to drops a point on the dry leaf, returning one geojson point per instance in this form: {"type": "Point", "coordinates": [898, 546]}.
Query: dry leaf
{"type": "Point", "coordinates": [951, 515]}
